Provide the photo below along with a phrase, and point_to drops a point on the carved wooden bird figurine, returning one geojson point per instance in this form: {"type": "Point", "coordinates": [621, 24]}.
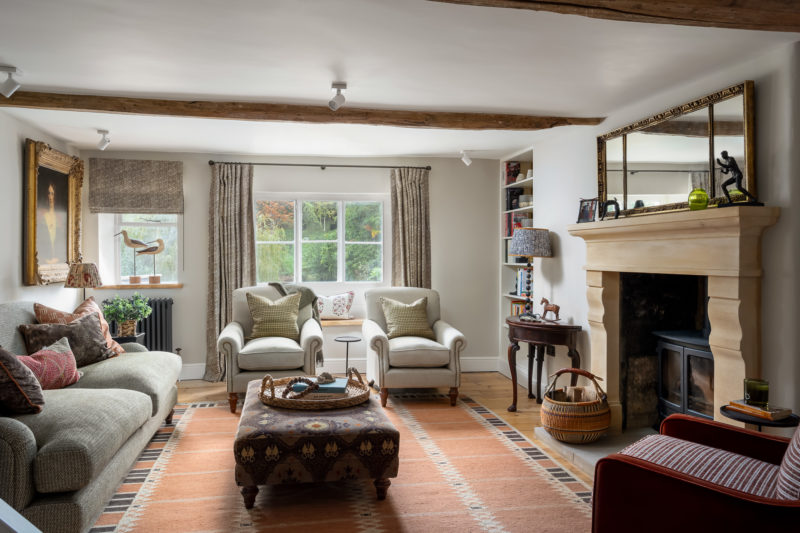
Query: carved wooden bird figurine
{"type": "Point", "coordinates": [152, 250]}
{"type": "Point", "coordinates": [131, 243]}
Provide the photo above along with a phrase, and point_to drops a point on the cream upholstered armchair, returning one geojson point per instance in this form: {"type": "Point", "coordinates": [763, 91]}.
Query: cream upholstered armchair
{"type": "Point", "coordinates": [411, 362]}
{"type": "Point", "coordinates": [277, 356]}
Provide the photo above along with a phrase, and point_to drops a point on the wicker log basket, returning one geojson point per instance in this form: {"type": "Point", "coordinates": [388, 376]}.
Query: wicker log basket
{"type": "Point", "coordinates": [272, 393]}
{"type": "Point", "coordinates": [576, 415]}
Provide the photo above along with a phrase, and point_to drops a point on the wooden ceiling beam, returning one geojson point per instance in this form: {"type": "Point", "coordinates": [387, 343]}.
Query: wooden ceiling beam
{"type": "Point", "coordinates": [766, 15]}
{"type": "Point", "coordinates": [686, 128]}
{"type": "Point", "coordinates": [253, 111]}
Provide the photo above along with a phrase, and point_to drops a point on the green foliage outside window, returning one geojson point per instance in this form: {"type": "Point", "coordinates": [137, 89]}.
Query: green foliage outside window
{"type": "Point", "coordinates": [362, 235]}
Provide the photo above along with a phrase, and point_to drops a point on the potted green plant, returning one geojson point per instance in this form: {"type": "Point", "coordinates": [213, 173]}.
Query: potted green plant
{"type": "Point", "coordinates": [126, 312]}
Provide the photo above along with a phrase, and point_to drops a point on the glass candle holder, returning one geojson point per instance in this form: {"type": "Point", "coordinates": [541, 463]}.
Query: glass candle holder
{"type": "Point", "coordinates": [756, 392]}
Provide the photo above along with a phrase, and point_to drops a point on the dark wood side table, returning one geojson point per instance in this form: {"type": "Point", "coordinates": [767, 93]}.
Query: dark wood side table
{"type": "Point", "coordinates": [539, 335]}
{"type": "Point", "coordinates": [789, 422]}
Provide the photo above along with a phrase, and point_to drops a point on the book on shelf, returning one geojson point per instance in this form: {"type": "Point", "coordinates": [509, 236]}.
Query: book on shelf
{"type": "Point", "coordinates": [512, 197]}
{"type": "Point", "coordinates": [512, 170]}
{"type": "Point", "coordinates": [771, 413]}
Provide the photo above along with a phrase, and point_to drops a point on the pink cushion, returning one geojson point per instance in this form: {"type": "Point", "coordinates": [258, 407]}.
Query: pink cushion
{"type": "Point", "coordinates": [731, 470]}
{"type": "Point", "coordinates": [54, 366]}
{"type": "Point", "coordinates": [788, 487]}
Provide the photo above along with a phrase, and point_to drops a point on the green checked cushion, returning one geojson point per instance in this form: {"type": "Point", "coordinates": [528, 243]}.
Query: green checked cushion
{"type": "Point", "coordinates": [274, 319]}
{"type": "Point", "coordinates": [407, 320]}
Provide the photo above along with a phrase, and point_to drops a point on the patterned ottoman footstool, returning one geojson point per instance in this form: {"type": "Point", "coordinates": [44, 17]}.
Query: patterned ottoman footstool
{"type": "Point", "coordinates": [275, 446]}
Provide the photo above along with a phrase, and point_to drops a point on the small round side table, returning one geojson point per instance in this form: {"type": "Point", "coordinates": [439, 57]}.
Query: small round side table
{"type": "Point", "coordinates": [789, 422]}
{"type": "Point", "coordinates": [347, 339]}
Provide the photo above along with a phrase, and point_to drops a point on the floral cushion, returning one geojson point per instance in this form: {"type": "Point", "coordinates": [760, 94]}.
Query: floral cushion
{"type": "Point", "coordinates": [48, 315]}
{"type": "Point", "coordinates": [20, 392]}
{"type": "Point", "coordinates": [84, 336]}
{"type": "Point", "coordinates": [54, 366]}
{"type": "Point", "coordinates": [336, 307]}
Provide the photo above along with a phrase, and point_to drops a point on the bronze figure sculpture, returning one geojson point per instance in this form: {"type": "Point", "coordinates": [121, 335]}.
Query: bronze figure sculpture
{"type": "Point", "coordinates": [732, 168]}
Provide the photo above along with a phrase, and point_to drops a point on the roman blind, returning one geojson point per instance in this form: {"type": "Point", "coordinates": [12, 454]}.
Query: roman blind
{"type": "Point", "coordinates": [135, 186]}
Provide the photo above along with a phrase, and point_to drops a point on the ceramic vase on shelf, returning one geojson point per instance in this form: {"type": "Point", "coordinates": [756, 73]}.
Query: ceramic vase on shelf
{"type": "Point", "coordinates": [698, 199]}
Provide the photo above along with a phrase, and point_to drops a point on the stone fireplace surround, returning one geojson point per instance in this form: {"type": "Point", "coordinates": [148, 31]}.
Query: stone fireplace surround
{"type": "Point", "coordinates": [723, 244]}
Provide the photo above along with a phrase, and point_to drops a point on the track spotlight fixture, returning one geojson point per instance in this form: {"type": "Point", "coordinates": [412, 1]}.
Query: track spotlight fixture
{"type": "Point", "coordinates": [105, 141]}
{"type": "Point", "coordinates": [10, 86]}
{"type": "Point", "coordinates": [465, 158]}
{"type": "Point", "coordinates": [338, 100]}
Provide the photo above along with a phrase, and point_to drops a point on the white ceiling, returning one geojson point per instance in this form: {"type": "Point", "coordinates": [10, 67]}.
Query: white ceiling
{"type": "Point", "coordinates": [404, 54]}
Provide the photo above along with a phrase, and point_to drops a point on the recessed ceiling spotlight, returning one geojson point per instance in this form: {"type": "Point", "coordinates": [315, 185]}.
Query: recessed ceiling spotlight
{"type": "Point", "coordinates": [465, 158]}
{"type": "Point", "coordinates": [10, 86]}
{"type": "Point", "coordinates": [105, 141]}
{"type": "Point", "coordinates": [338, 100]}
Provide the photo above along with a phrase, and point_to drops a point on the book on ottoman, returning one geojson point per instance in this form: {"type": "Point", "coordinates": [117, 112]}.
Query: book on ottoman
{"type": "Point", "coordinates": [326, 391]}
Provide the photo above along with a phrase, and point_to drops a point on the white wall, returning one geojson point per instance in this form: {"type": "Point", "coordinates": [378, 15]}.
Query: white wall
{"type": "Point", "coordinates": [12, 145]}
{"type": "Point", "coordinates": [463, 228]}
{"type": "Point", "coordinates": [565, 170]}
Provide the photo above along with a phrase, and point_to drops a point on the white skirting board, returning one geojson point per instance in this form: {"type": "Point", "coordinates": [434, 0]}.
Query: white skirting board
{"type": "Point", "coordinates": [336, 366]}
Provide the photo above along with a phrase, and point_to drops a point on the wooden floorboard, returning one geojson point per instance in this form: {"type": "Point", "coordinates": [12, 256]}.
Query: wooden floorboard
{"type": "Point", "coordinates": [490, 389]}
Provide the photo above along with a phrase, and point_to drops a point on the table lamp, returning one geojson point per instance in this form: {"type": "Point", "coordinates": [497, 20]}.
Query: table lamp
{"type": "Point", "coordinates": [530, 242]}
{"type": "Point", "coordinates": [82, 275]}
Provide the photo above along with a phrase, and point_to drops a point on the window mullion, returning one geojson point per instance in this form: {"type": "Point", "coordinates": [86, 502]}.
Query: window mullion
{"type": "Point", "coordinates": [340, 245]}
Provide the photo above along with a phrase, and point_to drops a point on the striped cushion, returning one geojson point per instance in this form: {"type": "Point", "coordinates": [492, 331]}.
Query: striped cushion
{"type": "Point", "coordinates": [721, 467]}
{"type": "Point", "coordinates": [407, 320]}
{"type": "Point", "coordinates": [274, 319]}
{"type": "Point", "coordinates": [789, 472]}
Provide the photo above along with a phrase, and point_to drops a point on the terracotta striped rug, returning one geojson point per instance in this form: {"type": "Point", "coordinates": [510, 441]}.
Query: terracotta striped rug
{"type": "Point", "coordinates": [461, 469]}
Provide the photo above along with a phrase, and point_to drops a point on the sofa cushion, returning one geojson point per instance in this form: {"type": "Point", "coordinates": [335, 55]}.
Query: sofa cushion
{"type": "Point", "coordinates": [79, 431]}
{"type": "Point", "coordinates": [417, 352]}
{"type": "Point", "coordinates": [84, 334]}
{"type": "Point", "coordinates": [54, 366]}
{"type": "Point", "coordinates": [404, 320]}
{"type": "Point", "coordinates": [152, 373]}
{"type": "Point", "coordinates": [271, 353]}
{"type": "Point", "coordinates": [20, 391]}
{"type": "Point", "coordinates": [274, 319]}
{"type": "Point", "coordinates": [788, 486]}
{"type": "Point", "coordinates": [48, 315]}
{"type": "Point", "coordinates": [728, 469]}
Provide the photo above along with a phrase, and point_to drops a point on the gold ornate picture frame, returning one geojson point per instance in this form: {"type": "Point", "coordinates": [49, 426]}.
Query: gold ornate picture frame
{"type": "Point", "coordinates": [52, 239]}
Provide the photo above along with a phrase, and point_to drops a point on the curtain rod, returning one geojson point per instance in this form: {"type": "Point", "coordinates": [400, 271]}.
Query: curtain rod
{"type": "Point", "coordinates": [322, 166]}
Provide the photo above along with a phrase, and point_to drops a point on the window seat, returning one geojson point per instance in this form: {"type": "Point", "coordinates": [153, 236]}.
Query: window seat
{"type": "Point", "coordinates": [346, 322]}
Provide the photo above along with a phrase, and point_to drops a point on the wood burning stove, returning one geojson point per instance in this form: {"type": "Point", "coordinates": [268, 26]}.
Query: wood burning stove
{"type": "Point", "coordinates": [685, 374]}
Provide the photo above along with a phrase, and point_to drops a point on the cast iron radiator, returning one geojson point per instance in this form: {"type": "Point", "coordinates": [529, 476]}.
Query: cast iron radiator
{"type": "Point", "coordinates": [158, 326]}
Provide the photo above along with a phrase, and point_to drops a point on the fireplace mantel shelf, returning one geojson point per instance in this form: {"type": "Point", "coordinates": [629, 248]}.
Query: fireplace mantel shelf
{"type": "Point", "coordinates": [711, 242]}
{"type": "Point", "coordinates": [723, 244]}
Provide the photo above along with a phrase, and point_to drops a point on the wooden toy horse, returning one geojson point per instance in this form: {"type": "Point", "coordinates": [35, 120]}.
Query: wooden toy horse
{"type": "Point", "coordinates": [548, 307]}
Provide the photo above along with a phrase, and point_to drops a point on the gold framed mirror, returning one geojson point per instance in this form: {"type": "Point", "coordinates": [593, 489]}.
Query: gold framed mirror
{"type": "Point", "coordinates": [53, 182]}
{"type": "Point", "coordinates": [653, 164]}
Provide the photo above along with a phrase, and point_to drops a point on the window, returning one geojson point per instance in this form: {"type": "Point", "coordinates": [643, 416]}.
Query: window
{"type": "Point", "coordinates": [304, 240]}
{"type": "Point", "coordinates": [148, 229]}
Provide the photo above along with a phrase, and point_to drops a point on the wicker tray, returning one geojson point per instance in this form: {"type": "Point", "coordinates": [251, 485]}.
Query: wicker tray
{"type": "Point", "coordinates": [272, 394]}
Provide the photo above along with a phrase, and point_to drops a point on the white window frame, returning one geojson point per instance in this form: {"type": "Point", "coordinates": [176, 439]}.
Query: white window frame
{"type": "Point", "coordinates": [341, 198]}
{"type": "Point", "coordinates": [118, 242]}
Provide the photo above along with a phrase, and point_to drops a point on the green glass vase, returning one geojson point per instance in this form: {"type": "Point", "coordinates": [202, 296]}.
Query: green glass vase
{"type": "Point", "coordinates": [698, 199]}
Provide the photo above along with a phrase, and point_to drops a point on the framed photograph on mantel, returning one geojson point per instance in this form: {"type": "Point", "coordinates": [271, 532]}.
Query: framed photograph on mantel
{"type": "Point", "coordinates": [53, 182]}
{"type": "Point", "coordinates": [587, 210]}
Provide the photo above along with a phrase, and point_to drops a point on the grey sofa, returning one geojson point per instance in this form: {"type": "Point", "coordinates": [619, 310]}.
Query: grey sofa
{"type": "Point", "coordinates": [280, 357]}
{"type": "Point", "coordinates": [61, 466]}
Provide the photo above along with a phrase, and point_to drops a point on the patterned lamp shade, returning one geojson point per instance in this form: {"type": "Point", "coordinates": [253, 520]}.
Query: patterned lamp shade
{"type": "Point", "coordinates": [82, 275]}
{"type": "Point", "coordinates": [531, 242]}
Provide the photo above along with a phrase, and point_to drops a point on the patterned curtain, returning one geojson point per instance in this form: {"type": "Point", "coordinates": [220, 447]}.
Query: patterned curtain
{"type": "Point", "coordinates": [231, 252]}
{"type": "Point", "coordinates": [411, 236]}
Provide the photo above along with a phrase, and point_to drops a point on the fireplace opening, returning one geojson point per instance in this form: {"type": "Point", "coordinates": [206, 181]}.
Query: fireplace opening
{"type": "Point", "coordinates": [665, 362]}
